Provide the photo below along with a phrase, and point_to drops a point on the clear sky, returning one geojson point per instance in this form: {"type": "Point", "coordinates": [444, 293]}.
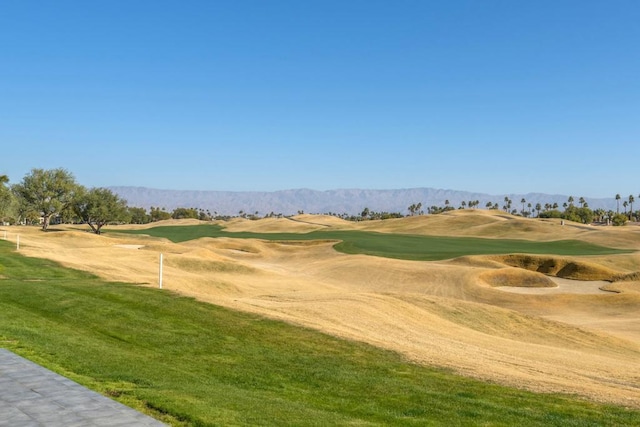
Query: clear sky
{"type": "Point", "coordinates": [488, 96]}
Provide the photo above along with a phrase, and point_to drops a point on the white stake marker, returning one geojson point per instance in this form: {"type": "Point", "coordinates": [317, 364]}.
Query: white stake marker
{"type": "Point", "coordinates": [18, 242]}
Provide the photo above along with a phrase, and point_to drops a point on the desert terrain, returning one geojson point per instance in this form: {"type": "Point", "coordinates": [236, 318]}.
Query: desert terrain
{"type": "Point", "coordinates": [575, 329]}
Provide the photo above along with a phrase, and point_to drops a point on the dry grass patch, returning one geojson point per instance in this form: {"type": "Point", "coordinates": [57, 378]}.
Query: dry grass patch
{"type": "Point", "coordinates": [197, 265]}
{"type": "Point", "coordinates": [296, 224]}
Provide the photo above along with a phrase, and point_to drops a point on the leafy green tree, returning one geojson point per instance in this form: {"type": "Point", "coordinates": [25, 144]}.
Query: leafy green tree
{"type": "Point", "coordinates": [552, 213]}
{"type": "Point", "coordinates": [619, 219]}
{"type": "Point", "coordinates": [158, 214]}
{"type": "Point", "coordinates": [139, 215]}
{"type": "Point", "coordinates": [206, 215]}
{"type": "Point", "coordinates": [48, 192]}
{"type": "Point", "coordinates": [100, 206]}
{"type": "Point", "coordinates": [182, 213]}
{"type": "Point", "coordinates": [585, 214]}
{"type": "Point", "coordinates": [7, 199]}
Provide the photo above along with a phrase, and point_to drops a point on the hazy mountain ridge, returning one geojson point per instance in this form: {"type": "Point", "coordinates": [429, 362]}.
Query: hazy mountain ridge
{"type": "Point", "coordinates": [350, 201]}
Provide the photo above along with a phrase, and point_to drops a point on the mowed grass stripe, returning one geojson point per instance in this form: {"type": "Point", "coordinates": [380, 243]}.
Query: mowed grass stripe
{"type": "Point", "coordinates": [400, 246]}
{"type": "Point", "coordinates": [192, 363]}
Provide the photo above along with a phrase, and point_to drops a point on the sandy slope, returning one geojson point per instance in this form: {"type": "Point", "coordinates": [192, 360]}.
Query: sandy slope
{"type": "Point", "coordinates": [444, 313]}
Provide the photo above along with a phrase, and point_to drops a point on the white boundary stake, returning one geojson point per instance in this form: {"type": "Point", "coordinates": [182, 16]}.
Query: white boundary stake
{"type": "Point", "coordinates": [160, 273]}
{"type": "Point", "coordinates": [5, 234]}
{"type": "Point", "coordinates": [18, 242]}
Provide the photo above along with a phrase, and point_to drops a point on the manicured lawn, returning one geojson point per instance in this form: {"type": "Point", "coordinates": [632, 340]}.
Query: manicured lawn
{"type": "Point", "coordinates": [401, 246]}
{"type": "Point", "coordinates": [191, 363]}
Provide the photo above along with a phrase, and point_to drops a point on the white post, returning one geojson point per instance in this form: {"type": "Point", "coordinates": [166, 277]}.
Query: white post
{"type": "Point", "coordinates": [160, 273]}
{"type": "Point", "coordinates": [5, 234]}
{"type": "Point", "coordinates": [18, 242]}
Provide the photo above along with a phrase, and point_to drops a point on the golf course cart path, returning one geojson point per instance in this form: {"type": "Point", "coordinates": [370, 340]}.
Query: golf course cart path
{"type": "Point", "coordinates": [31, 395]}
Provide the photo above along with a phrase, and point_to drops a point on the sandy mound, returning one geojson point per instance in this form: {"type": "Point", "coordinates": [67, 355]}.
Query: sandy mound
{"type": "Point", "coordinates": [443, 313]}
{"type": "Point", "coordinates": [297, 224]}
{"type": "Point", "coordinates": [559, 266]}
{"type": "Point", "coordinates": [476, 223]}
{"type": "Point", "coordinates": [516, 277]}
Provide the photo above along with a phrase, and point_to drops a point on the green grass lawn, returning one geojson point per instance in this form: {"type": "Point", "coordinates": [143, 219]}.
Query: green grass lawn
{"type": "Point", "coordinates": [191, 363]}
{"type": "Point", "coordinates": [401, 246]}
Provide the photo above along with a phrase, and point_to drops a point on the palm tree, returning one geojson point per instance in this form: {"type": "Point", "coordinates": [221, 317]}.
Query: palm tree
{"type": "Point", "coordinates": [570, 200]}
{"type": "Point", "coordinates": [523, 201]}
{"type": "Point", "coordinates": [538, 207]}
{"type": "Point", "coordinates": [625, 204]}
{"type": "Point", "coordinates": [414, 208]}
{"type": "Point", "coordinates": [631, 200]}
{"type": "Point", "coordinates": [618, 202]}
{"type": "Point", "coordinates": [582, 202]}
{"type": "Point", "coordinates": [463, 204]}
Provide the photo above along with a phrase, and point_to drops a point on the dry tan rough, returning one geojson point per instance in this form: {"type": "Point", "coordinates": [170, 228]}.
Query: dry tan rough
{"type": "Point", "coordinates": [444, 313]}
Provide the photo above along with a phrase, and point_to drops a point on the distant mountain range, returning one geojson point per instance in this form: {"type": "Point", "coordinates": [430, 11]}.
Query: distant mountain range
{"type": "Point", "coordinates": [350, 201]}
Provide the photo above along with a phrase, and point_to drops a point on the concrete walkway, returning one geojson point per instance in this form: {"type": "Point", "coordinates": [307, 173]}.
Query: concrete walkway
{"type": "Point", "coordinates": [31, 395]}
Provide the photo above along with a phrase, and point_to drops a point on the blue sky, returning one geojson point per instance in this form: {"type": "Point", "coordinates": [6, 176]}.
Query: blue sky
{"type": "Point", "coordinates": [488, 96]}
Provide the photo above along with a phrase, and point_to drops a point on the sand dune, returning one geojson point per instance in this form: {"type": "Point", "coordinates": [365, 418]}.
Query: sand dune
{"type": "Point", "coordinates": [447, 313]}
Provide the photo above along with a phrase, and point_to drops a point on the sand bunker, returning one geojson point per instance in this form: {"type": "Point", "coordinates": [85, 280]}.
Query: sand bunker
{"type": "Point", "coordinates": [564, 286]}
{"type": "Point", "coordinates": [440, 313]}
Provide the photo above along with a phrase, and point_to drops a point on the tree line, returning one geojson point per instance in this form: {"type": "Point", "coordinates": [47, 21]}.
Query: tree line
{"type": "Point", "coordinates": [570, 211]}
{"type": "Point", "coordinates": [46, 195]}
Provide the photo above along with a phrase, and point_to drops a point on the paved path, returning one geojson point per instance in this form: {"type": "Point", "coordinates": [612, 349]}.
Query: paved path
{"type": "Point", "coordinates": [31, 395]}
